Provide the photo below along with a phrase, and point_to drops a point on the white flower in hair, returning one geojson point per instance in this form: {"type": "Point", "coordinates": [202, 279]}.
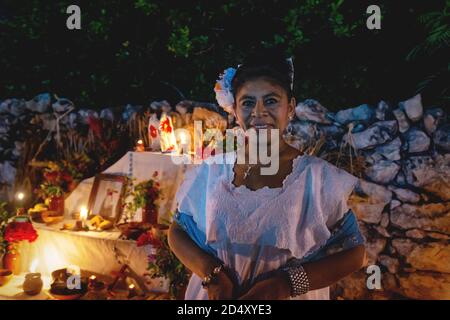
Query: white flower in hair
{"type": "Point", "coordinates": [223, 90]}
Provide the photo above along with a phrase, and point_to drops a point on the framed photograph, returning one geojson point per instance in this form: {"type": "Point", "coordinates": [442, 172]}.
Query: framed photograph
{"type": "Point", "coordinates": [106, 196]}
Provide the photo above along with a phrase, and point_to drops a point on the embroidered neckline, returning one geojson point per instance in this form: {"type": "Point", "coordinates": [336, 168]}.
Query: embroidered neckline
{"type": "Point", "coordinates": [264, 189]}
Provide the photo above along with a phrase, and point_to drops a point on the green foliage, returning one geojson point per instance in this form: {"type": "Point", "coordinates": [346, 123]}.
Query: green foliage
{"type": "Point", "coordinates": [435, 44]}
{"type": "Point", "coordinates": [5, 215]}
{"type": "Point", "coordinates": [165, 264]}
{"type": "Point", "coordinates": [141, 195]}
{"type": "Point", "coordinates": [137, 51]}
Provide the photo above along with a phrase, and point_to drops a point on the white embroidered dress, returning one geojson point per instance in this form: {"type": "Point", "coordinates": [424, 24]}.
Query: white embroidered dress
{"type": "Point", "coordinates": [255, 232]}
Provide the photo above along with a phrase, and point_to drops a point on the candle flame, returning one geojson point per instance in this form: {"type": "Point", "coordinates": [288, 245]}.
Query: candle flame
{"type": "Point", "coordinates": [83, 213]}
{"type": "Point", "coordinates": [20, 196]}
{"type": "Point", "coordinates": [131, 286]}
{"type": "Point", "coordinates": [140, 142]}
{"type": "Point", "coordinates": [33, 266]}
{"type": "Point", "coordinates": [183, 137]}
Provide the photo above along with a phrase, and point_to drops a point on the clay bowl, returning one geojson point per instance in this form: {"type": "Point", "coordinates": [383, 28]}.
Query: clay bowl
{"type": "Point", "coordinates": [59, 290]}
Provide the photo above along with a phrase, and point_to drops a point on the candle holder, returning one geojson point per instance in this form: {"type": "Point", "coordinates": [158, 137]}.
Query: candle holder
{"type": "Point", "coordinates": [32, 284]}
{"type": "Point", "coordinates": [132, 291]}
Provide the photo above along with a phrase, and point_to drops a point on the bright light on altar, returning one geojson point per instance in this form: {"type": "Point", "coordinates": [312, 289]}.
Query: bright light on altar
{"type": "Point", "coordinates": [20, 196]}
{"type": "Point", "coordinates": [33, 266]}
{"type": "Point", "coordinates": [52, 257]}
{"type": "Point", "coordinates": [183, 138]}
{"type": "Point", "coordinates": [140, 147]}
{"type": "Point", "coordinates": [183, 145]}
{"type": "Point", "coordinates": [81, 223]}
{"type": "Point", "coordinates": [83, 213]}
{"type": "Point", "coordinates": [131, 291]}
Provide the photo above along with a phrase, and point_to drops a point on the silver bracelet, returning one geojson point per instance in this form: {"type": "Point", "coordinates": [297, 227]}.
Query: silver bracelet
{"type": "Point", "coordinates": [210, 278]}
{"type": "Point", "coordinates": [298, 280]}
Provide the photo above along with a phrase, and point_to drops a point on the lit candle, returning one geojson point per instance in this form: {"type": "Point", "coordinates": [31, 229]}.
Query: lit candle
{"type": "Point", "coordinates": [183, 142]}
{"type": "Point", "coordinates": [140, 146]}
{"type": "Point", "coordinates": [183, 139]}
{"type": "Point", "coordinates": [20, 196]}
{"type": "Point", "coordinates": [83, 216]}
{"type": "Point", "coordinates": [92, 280]}
{"type": "Point", "coordinates": [131, 291]}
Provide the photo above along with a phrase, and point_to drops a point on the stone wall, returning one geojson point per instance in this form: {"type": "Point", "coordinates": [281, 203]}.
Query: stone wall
{"type": "Point", "coordinates": [403, 200]}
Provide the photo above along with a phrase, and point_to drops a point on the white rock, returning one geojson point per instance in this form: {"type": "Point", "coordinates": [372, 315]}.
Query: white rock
{"type": "Point", "coordinates": [441, 138]}
{"type": "Point", "coordinates": [390, 150]}
{"type": "Point", "coordinates": [368, 201]}
{"type": "Point", "coordinates": [378, 133]}
{"type": "Point", "coordinates": [329, 130]}
{"type": "Point", "coordinates": [374, 192]}
{"type": "Point", "coordinates": [405, 195]}
{"type": "Point", "coordinates": [382, 231]}
{"type": "Point", "coordinates": [361, 113]}
{"type": "Point", "coordinates": [413, 107]}
{"type": "Point", "coordinates": [394, 204]}
{"type": "Point", "coordinates": [383, 171]}
{"type": "Point", "coordinates": [432, 119]}
{"type": "Point", "coordinates": [312, 110]}
{"type": "Point", "coordinates": [107, 114]}
{"type": "Point", "coordinates": [384, 220]}
{"type": "Point", "coordinates": [40, 103]}
{"type": "Point", "coordinates": [390, 263]}
{"type": "Point", "coordinates": [62, 105]}
{"type": "Point", "coordinates": [400, 179]}
{"type": "Point", "coordinates": [417, 140]}
{"type": "Point", "coordinates": [302, 130]}
{"type": "Point", "coordinates": [16, 107]}
{"type": "Point", "coordinates": [433, 217]}
{"type": "Point", "coordinates": [416, 234]}
{"type": "Point", "coordinates": [374, 248]}
{"type": "Point", "coordinates": [403, 124]}
{"type": "Point", "coordinates": [380, 112]}
{"type": "Point", "coordinates": [72, 120]}
{"type": "Point", "coordinates": [429, 173]}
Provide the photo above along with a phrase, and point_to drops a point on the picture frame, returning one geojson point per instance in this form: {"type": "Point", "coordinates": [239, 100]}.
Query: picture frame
{"type": "Point", "coordinates": [106, 196]}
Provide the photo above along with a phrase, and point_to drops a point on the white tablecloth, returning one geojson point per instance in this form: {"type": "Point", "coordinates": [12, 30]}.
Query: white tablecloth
{"type": "Point", "coordinates": [96, 251]}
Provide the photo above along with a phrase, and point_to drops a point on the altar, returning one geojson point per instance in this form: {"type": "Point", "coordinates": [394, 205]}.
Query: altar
{"type": "Point", "coordinates": [103, 252]}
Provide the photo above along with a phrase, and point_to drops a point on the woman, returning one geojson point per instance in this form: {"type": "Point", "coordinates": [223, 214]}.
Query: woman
{"type": "Point", "coordinates": [252, 236]}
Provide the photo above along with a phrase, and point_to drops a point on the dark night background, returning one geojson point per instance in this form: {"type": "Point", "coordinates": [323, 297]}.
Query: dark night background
{"type": "Point", "coordinates": [137, 51]}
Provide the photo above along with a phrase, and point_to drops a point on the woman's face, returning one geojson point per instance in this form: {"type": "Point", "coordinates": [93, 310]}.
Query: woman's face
{"type": "Point", "coordinates": [261, 104]}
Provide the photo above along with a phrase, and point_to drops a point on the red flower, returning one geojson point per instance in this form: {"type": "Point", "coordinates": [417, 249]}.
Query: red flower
{"type": "Point", "coordinates": [18, 231]}
{"type": "Point", "coordinates": [51, 176]}
{"type": "Point", "coordinates": [148, 238]}
{"type": "Point", "coordinates": [66, 176]}
{"type": "Point", "coordinates": [153, 131]}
